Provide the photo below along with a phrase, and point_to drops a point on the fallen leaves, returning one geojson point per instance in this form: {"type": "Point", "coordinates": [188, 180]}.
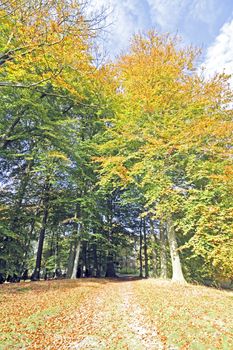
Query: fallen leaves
{"type": "Point", "coordinates": [190, 317]}
{"type": "Point", "coordinates": [111, 315]}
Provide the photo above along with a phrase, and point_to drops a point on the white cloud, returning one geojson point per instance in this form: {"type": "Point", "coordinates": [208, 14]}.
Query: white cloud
{"type": "Point", "coordinates": [195, 20]}
{"type": "Point", "coordinates": [125, 18]}
{"type": "Point", "coordinates": [179, 14]}
{"type": "Point", "coordinates": [219, 56]}
{"type": "Point", "coordinates": [206, 11]}
{"type": "Point", "coordinates": [167, 13]}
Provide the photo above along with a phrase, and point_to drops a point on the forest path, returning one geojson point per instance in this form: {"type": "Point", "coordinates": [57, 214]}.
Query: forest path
{"type": "Point", "coordinates": [113, 319]}
{"type": "Point", "coordinates": [104, 314]}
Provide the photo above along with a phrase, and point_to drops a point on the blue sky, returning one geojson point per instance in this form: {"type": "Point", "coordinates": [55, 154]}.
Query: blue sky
{"type": "Point", "coordinates": [204, 23]}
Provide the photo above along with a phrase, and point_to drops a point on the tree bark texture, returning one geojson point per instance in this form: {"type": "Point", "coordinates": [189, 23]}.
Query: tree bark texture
{"type": "Point", "coordinates": [76, 259]}
{"type": "Point", "coordinates": [177, 274]}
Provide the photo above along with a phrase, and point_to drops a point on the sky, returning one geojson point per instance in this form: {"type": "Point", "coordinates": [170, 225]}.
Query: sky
{"type": "Point", "coordinates": [207, 24]}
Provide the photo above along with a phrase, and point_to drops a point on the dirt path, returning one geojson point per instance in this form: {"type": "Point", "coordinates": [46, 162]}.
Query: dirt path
{"type": "Point", "coordinates": [112, 320]}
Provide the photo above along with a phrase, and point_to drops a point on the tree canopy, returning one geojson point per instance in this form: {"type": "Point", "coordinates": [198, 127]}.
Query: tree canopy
{"type": "Point", "coordinates": [125, 165]}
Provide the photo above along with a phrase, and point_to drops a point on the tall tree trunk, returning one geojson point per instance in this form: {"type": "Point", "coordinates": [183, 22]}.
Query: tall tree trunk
{"type": "Point", "coordinates": [101, 263]}
{"type": "Point", "coordinates": [76, 259]}
{"type": "Point", "coordinates": [96, 264]}
{"type": "Point", "coordinates": [70, 264]}
{"type": "Point", "coordinates": [84, 259]}
{"type": "Point", "coordinates": [110, 269]}
{"type": "Point", "coordinates": [163, 253]}
{"type": "Point", "coordinates": [36, 273]}
{"type": "Point", "coordinates": [177, 274]}
{"type": "Point", "coordinates": [57, 253]}
{"type": "Point", "coordinates": [140, 251]}
{"type": "Point", "coordinates": [75, 246]}
{"type": "Point", "coordinates": [145, 249]}
{"type": "Point", "coordinates": [154, 241]}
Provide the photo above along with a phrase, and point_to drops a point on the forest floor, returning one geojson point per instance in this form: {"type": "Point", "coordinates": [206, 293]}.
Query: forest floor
{"type": "Point", "coordinates": [117, 314]}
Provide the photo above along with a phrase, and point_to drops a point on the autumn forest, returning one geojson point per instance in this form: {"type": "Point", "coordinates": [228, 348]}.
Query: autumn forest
{"type": "Point", "coordinates": [107, 167]}
{"type": "Point", "coordinates": [116, 177]}
{"type": "Point", "coordinates": [110, 167]}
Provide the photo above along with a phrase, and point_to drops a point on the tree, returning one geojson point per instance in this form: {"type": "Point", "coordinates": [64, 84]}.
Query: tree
{"type": "Point", "coordinates": [165, 117]}
{"type": "Point", "coordinates": [46, 78]}
{"type": "Point", "coordinates": [45, 42]}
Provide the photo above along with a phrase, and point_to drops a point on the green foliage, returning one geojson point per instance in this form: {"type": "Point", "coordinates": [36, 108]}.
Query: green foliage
{"type": "Point", "coordinates": [103, 147]}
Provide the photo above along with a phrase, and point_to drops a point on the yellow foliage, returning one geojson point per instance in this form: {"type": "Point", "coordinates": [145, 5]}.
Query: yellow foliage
{"type": "Point", "coordinates": [46, 41]}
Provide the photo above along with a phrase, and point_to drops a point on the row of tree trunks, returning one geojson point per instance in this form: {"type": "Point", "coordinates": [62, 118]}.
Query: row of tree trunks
{"type": "Point", "coordinates": [75, 247]}
{"type": "Point", "coordinates": [167, 232]}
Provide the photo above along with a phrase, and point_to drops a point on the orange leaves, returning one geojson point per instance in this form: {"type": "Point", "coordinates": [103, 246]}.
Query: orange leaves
{"type": "Point", "coordinates": [37, 315]}
{"type": "Point", "coordinates": [114, 315]}
{"type": "Point", "coordinates": [158, 80]}
{"type": "Point", "coordinates": [152, 72]}
{"type": "Point", "coordinates": [190, 316]}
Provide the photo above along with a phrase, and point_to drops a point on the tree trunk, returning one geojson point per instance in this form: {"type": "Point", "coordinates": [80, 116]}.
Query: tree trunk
{"type": "Point", "coordinates": [101, 264]}
{"type": "Point", "coordinates": [163, 253]}
{"type": "Point", "coordinates": [70, 260]}
{"type": "Point", "coordinates": [154, 241]}
{"type": "Point", "coordinates": [177, 274]}
{"type": "Point", "coordinates": [57, 253]}
{"type": "Point", "coordinates": [36, 273]}
{"type": "Point", "coordinates": [76, 259]}
{"type": "Point", "coordinates": [84, 259]}
{"type": "Point", "coordinates": [75, 246]}
{"type": "Point", "coordinates": [140, 251]}
{"type": "Point", "coordinates": [110, 269]}
{"type": "Point", "coordinates": [96, 264]}
{"type": "Point", "coordinates": [145, 249]}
